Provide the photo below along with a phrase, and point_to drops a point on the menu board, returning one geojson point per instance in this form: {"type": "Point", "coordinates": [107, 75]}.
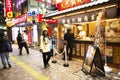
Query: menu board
{"type": "Point", "coordinates": [88, 62]}
{"type": "Point", "coordinates": [93, 57]}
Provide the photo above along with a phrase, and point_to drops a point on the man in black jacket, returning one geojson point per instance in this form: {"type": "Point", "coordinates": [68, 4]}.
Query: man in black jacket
{"type": "Point", "coordinates": [19, 39]}
{"type": "Point", "coordinates": [69, 37]}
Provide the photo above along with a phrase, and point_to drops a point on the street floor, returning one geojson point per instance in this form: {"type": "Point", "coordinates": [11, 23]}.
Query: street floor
{"type": "Point", "coordinates": [30, 67]}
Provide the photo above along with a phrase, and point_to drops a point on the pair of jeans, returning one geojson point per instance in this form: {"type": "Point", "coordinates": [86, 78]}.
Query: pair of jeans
{"type": "Point", "coordinates": [46, 58]}
{"type": "Point", "coordinates": [5, 58]}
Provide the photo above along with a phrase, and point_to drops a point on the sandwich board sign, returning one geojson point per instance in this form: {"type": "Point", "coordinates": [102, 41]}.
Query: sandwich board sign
{"type": "Point", "coordinates": [93, 57]}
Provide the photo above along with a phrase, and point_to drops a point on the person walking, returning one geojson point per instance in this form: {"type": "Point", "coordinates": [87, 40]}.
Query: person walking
{"type": "Point", "coordinates": [3, 51]}
{"type": "Point", "coordinates": [69, 37]}
{"type": "Point", "coordinates": [45, 48]}
{"type": "Point", "coordinates": [24, 43]}
{"type": "Point", "coordinates": [19, 39]}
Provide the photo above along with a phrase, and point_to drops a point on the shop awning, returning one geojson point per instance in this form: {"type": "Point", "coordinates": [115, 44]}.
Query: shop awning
{"type": "Point", "coordinates": [76, 8]}
{"type": "Point", "coordinates": [20, 19]}
{"type": "Point", "coordinates": [23, 24]}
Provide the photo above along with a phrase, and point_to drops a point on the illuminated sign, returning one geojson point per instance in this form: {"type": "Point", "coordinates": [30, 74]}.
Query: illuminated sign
{"type": "Point", "coordinates": [9, 13]}
{"type": "Point", "coordinates": [71, 3]}
{"type": "Point", "coordinates": [20, 19]}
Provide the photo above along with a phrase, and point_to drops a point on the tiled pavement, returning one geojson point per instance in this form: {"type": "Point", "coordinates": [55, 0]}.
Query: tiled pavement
{"type": "Point", "coordinates": [30, 67]}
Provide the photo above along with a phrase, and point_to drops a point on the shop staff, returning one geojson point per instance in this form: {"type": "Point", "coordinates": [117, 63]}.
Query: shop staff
{"type": "Point", "coordinates": [82, 33]}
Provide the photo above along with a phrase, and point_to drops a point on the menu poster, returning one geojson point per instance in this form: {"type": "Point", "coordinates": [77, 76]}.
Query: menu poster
{"type": "Point", "coordinates": [88, 61]}
{"type": "Point", "coordinates": [93, 57]}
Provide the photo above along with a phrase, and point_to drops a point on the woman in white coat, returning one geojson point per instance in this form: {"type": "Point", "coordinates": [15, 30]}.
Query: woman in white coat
{"type": "Point", "coordinates": [45, 48]}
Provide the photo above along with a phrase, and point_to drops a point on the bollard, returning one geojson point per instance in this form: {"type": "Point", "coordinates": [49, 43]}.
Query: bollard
{"type": "Point", "coordinates": [66, 62]}
{"type": "Point", "coordinates": [54, 60]}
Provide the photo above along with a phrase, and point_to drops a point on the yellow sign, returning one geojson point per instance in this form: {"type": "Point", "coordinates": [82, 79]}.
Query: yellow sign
{"type": "Point", "coordinates": [9, 14]}
{"type": "Point", "coordinates": [9, 23]}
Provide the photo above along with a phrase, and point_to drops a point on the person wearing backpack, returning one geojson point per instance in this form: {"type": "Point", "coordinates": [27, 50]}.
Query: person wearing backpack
{"type": "Point", "coordinates": [4, 53]}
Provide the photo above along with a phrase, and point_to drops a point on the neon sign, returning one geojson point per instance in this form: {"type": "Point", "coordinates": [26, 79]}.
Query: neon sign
{"type": "Point", "coordinates": [9, 13]}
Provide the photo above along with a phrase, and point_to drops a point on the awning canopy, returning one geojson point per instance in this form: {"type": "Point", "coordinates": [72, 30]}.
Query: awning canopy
{"type": "Point", "coordinates": [76, 8]}
{"type": "Point", "coordinates": [24, 24]}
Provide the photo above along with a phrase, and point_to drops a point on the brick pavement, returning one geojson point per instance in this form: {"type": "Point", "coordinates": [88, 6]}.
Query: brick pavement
{"type": "Point", "coordinates": [30, 67]}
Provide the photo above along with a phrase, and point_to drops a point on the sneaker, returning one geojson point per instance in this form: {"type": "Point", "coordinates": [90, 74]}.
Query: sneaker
{"type": "Point", "coordinates": [4, 67]}
{"type": "Point", "coordinates": [9, 65]}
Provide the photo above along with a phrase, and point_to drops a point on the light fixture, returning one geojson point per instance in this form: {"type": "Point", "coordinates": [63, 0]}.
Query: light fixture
{"type": "Point", "coordinates": [0, 2]}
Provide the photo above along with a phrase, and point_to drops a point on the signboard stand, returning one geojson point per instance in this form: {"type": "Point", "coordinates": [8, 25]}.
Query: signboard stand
{"type": "Point", "coordinates": [93, 57]}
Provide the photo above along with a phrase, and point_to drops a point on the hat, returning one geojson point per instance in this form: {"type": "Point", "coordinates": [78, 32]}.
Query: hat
{"type": "Point", "coordinates": [80, 27]}
{"type": "Point", "coordinates": [45, 29]}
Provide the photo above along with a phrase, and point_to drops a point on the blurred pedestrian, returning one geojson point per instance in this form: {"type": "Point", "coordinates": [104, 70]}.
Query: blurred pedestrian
{"type": "Point", "coordinates": [24, 43]}
{"type": "Point", "coordinates": [69, 37]}
{"type": "Point", "coordinates": [51, 46]}
{"type": "Point", "coordinates": [3, 51]}
{"type": "Point", "coordinates": [45, 48]}
{"type": "Point", "coordinates": [19, 39]}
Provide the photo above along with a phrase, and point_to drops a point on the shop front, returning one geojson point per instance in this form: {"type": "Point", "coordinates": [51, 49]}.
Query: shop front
{"type": "Point", "coordinates": [85, 17]}
{"type": "Point", "coordinates": [18, 24]}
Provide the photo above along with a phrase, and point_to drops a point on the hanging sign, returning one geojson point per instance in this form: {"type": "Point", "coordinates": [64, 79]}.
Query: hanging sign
{"type": "Point", "coordinates": [8, 6]}
{"type": "Point", "coordinates": [29, 38]}
{"type": "Point", "coordinates": [20, 19]}
{"type": "Point", "coordinates": [65, 4]}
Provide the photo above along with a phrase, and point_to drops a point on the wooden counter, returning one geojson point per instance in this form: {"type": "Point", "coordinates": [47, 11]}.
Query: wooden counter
{"type": "Point", "coordinates": [112, 50]}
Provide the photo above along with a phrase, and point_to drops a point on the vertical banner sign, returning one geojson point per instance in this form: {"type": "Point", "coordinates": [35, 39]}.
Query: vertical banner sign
{"type": "Point", "coordinates": [29, 38]}
{"type": "Point", "coordinates": [8, 5]}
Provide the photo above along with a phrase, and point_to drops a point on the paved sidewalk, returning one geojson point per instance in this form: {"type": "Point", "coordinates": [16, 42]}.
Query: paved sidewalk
{"type": "Point", "coordinates": [30, 67]}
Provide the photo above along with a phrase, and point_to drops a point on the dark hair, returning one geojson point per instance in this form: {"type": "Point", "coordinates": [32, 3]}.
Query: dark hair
{"type": "Point", "coordinates": [1, 34]}
{"type": "Point", "coordinates": [45, 35]}
{"type": "Point", "coordinates": [68, 30]}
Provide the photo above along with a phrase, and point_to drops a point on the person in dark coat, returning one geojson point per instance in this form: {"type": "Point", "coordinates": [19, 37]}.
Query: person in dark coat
{"type": "Point", "coordinates": [19, 39]}
{"type": "Point", "coordinates": [3, 51]}
{"type": "Point", "coordinates": [69, 37]}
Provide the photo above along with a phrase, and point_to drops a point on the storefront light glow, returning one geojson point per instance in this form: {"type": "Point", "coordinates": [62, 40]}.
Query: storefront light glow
{"type": "Point", "coordinates": [43, 5]}
{"type": "Point", "coordinates": [55, 29]}
{"type": "Point", "coordinates": [19, 2]}
{"type": "Point", "coordinates": [78, 7]}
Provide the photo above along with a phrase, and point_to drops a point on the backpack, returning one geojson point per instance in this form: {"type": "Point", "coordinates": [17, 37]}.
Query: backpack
{"type": "Point", "coordinates": [8, 47]}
